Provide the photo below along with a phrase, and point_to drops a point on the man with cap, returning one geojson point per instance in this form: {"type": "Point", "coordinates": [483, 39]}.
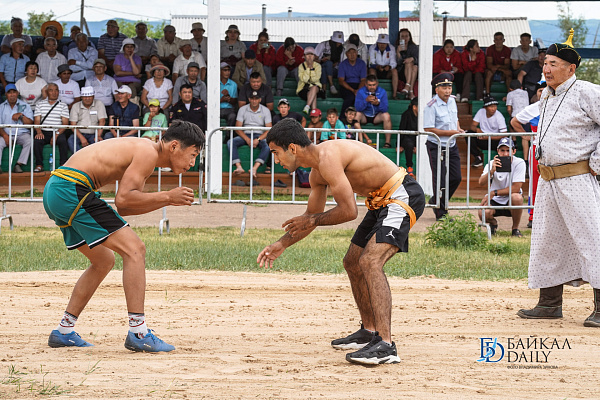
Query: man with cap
{"type": "Point", "coordinates": [382, 61]}
{"type": "Point", "coordinates": [246, 67]}
{"type": "Point", "coordinates": [110, 43]}
{"type": "Point", "coordinates": [487, 120]}
{"type": "Point", "coordinates": [186, 56]}
{"type": "Point", "coordinates": [189, 108]}
{"type": "Point", "coordinates": [168, 46]}
{"type": "Point", "coordinates": [329, 55]}
{"type": "Point", "coordinates": [15, 111]}
{"type": "Point", "coordinates": [81, 59]}
{"type": "Point", "coordinates": [531, 73]}
{"type": "Point", "coordinates": [145, 46]}
{"type": "Point", "coordinates": [50, 59]}
{"type": "Point", "coordinates": [104, 86]}
{"type": "Point", "coordinates": [232, 48]}
{"type": "Point", "coordinates": [505, 187]}
{"type": "Point", "coordinates": [352, 75]}
{"type": "Point", "coordinates": [256, 85]}
{"type": "Point", "coordinates": [229, 95]}
{"type": "Point", "coordinates": [565, 244]}
{"type": "Point", "coordinates": [441, 117]}
{"type": "Point", "coordinates": [123, 113]}
{"type": "Point", "coordinates": [87, 112]}
{"type": "Point", "coordinates": [199, 41]}
{"type": "Point", "coordinates": [49, 29]}
{"type": "Point", "coordinates": [68, 89]}
{"type": "Point", "coordinates": [12, 64]}
{"type": "Point", "coordinates": [16, 26]}
{"type": "Point", "coordinates": [284, 112]}
{"type": "Point", "coordinates": [192, 79]}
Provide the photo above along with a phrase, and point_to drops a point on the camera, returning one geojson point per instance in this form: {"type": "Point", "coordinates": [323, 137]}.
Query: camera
{"type": "Point", "coordinates": [506, 164]}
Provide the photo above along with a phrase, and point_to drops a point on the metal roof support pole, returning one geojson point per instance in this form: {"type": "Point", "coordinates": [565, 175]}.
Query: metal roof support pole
{"type": "Point", "coordinates": [394, 16]}
{"type": "Point", "coordinates": [213, 93]}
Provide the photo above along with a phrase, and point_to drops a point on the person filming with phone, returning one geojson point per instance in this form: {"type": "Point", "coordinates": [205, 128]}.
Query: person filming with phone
{"type": "Point", "coordinates": [506, 173]}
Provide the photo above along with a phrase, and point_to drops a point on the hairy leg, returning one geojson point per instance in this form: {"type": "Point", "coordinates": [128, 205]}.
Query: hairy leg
{"type": "Point", "coordinates": [359, 285]}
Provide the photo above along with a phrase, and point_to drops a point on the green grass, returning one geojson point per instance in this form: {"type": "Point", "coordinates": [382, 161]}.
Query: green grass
{"type": "Point", "coordinates": [42, 249]}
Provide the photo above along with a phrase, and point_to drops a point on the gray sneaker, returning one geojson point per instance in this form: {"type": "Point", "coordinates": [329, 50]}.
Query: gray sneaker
{"type": "Point", "coordinates": [355, 341]}
{"type": "Point", "coordinates": [18, 169]}
{"type": "Point", "coordinates": [375, 353]}
{"type": "Point", "coordinates": [333, 90]}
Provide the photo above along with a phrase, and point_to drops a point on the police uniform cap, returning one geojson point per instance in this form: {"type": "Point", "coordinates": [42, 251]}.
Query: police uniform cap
{"type": "Point", "coordinates": [443, 79]}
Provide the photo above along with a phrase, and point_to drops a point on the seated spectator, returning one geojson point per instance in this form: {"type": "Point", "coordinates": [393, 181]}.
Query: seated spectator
{"type": "Point", "coordinates": [49, 29]}
{"type": "Point", "coordinates": [253, 115]}
{"type": "Point", "coordinates": [49, 112]}
{"type": "Point", "coordinates": [256, 85]}
{"type": "Point", "coordinates": [68, 89]}
{"type": "Point", "coordinates": [16, 26]}
{"type": "Point", "coordinates": [246, 67]}
{"type": "Point", "coordinates": [12, 64]}
{"type": "Point", "coordinates": [186, 56]}
{"type": "Point", "coordinates": [191, 78]}
{"type": "Point", "coordinates": [123, 113]}
{"type": "Point", "coordinates": [329, 54]}
{"type": "Point", "coordinates": [87, 112]}
{"type": "Point", "coordinates": [473, 64]}
{"type": "Point", "coordinates": [145, 46]}
{"type": "Point", "coordinates": [352, 75]}
{"type": "Point", "coordinates": [284, 112]}
{"type": "Point", "coordinates": [332, 122]}
{"type": "Point", "coordinates": [516, 99]}
{"type": "Point", "coordinates": [351, 122]}
{"type": "Point", "coordinates": [487, 120]}
{"type": "Point", "coordinates": [372, 106]}
{"type": "Point", "coordinates": [315, 122]}
{"type": "Point", "coordinates": [309, 81]}
{"type": "Point", "coordinates": [448, 59]}
{"type": "Point", "coordinates": [407, 58]}
{"type": "Point", "coordinates": [31, 87]}
{"type": "Point", "coordinates": [104, 86]}
{"type": "Point", "coordinates": [382, 61]}
{"type": "Point", "coordinates": [158, 88]}
{"type": "Point", "coordinates": [497, 60]}
{"type": "Point", "coordinates": [128, 67]}
{"type": "Point", "coordinates": [522, 54]}
{"type": "Point", "coordinates": [15, 111]}
{"type": "Point", "coordinates": [110, 43]}
{"type": "Point", "coordinates": [289, 56]}
{"type": "Point", "coordinates": [189, 108]}
{"type": "Point", "coordinates": [361, 48]}
{"type": "Point", "coordinates": [81, 59]}
{"type": "Point", "coordinates": [154, 118]}
{"type": "Point", "coordinates": [168, 46]}
{"type": "Point", "coordinates": [409, 122]}
{"type": "Point", "coordinates": [199, 42]}
{"type": "Point", "coordinates": [265, 54]}
{"type": "Point", "coordinates": [503, 188]}
{"type": "Point", "coordinates": [154, 61]}
{"type": "Point", "coordinates": [71, 44]}
{"type": "Point", "coordinates": [531, 73]}
{"type": "Point", "coordinates": [229, 95]}
{"type": "Point", "coordinates": [49, 60]}
{"type": "Point", "coordinates": [232, 48]}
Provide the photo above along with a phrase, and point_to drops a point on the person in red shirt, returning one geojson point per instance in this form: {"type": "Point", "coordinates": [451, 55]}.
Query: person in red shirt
{"type": "Point", "coordinates": [473, 63]}
{"type": "Point", "coordinates": [447, 59]}
{"type": "Point", "coordinates": [265, 54]}
{"type": "Point", "coordinates": [497, 62]}
{"type": "Point", "coordinates": [289, 56]}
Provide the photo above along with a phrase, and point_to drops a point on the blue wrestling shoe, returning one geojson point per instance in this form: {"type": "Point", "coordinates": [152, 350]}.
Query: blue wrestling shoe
{"type": "Point", "coordinates": [149, 343]}
{"type": "Point", "coordinates": [57, 339]}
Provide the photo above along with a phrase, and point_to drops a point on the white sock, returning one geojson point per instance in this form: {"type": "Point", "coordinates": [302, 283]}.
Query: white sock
{"type": "Point", "coordinates": [137, 325]}
{"type": "Point", "coordinates": [67, 324]}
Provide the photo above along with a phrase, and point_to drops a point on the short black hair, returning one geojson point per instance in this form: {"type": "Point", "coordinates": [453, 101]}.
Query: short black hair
{"type": "Point", "coordinates": [372, 78]}
{"type": "Point", "coordinates": [498, 34]}
{"type": "Point", "coordinates": [448, 41]}
{"type": "Point", "coordinates": [186, 86]}
{"type": "Point", "coordinates": [332, 110]}
{"type": "Point", "coordinates": [186, 133]}
{"type": "Point", "coordinates": [30, 63]}
{"type": "Point", "coordinates": [527, 35]}
{"type": "Point", "coordinates": [286, 132]}
{"type": "Point", "coordinates": [255, 75]}
{"type": "Point", "coordinates": [414, 101]}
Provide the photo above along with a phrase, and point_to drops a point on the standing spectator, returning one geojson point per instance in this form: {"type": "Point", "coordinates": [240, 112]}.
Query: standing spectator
{"type": "Point", "coordinates": [246, 67]}
{"type": "Point", "coordinates": [71, 44]}
{"type": "Point", "coordinates": [333, 122]}
{"type": "Point", "coordinates": [473, 63]}
{"type": "Point", "coordinates": [531, 73]}
{"type": "Point", "coordinates": [158, 88]}
{"type": "Point", "coordinates": [199, 41]}
{"type": "Point", "coordinates": [16, 26]}
{"type": "Point", "coordinates": [372, 106]}
{"type": "Point", "coordinates": [229, 95]}
{"type": "Point", "coordinates": [50, 59]}
{"type": "Point", "coordinates": [186, 56]}
{"type": "Point", "coordinates": [284, 112]}
{"type": "Point", "coordinates": [104, 86]}
{"type": "Point", "coordinates": [49, 29]}
{"type": "Point", "coordinates": [12, 65]}
{"type": "Point", "coordinates": [409, 122]}
{"type": "Point", "coordinates": [128, 67]}
{"type": "Point", "coordinates": [123, 113]}
{"type": "Point", "coordinates": [31, 87]}
{"type": "Point", "coordinates": [407, 56]}
{"type": "Point", "coordinates": [49, 112]}
{"type": "Point", "coordinates": [81, 59]}
{"type": "Point", "coordinates": [516, 99]}
{"type": "Point", "coordinates": [256, 85]}
{"type": "Point", "coordinates": [189, 108]}
{"type": "Point", "coordinates": [154, 118]}
{"type": "Point", "coordinates": [266, 54]}
{"type": "Point", "coordinates": [68, 89]}
{"type": "Point", "coordinates": [361, 48]}
{"type": "Point", "coordinates": [15, 111]}
{"type": "Point", "coordinates": [448, 60]}
{"type": "Point", "coordinates": [191, 78]}
{"type": "Point", "coordinates": [352, 76]}
{"type": "Point", "coordinates": [232, 48]}
{"type": "Point", "coordinates": [145, 46]}
{"type": "Point", "coordinates": [497, 60]}
{"type": "Point", "coordinates": [309, 81]}
{"type": "Point", "coordinates": [110, 43]}
{"type": "Point", "coordinates": [289, 57]}
{"type": "Point", "coordinates": [382, 61]}
{"type": "Point", "coordinates": [168, 46]}
{"type": "Point", "coordinates": [522, 54]}
{"type": "Point", "coordinates": [487, 120]}
{"type": "Point", "coordinates": [87, 112]}
{"type": "Point", "coordinates": [329, 54]}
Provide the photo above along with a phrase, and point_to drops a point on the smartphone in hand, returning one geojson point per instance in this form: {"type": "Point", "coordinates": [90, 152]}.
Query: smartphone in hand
{"type": "Point", "coordinates": [506, 164]}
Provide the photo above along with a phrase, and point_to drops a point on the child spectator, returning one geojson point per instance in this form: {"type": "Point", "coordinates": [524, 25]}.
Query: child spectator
{"type": "Point", "coordinates": [516, 98]}
{"type": "Point", "coordinates": [315, 122]}
{"type": "Point", "coordinates": [154, 60]}
{"type": "Point", "coordinates": [351, 122]}
{"type": "Point", "coordinates": [332, 123]}
{"type": "Point", "coordinates": [156, 119]}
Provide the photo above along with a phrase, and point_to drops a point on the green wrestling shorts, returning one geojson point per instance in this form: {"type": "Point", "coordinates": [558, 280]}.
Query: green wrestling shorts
{"type": "Point", "coordinates": [83, 217]}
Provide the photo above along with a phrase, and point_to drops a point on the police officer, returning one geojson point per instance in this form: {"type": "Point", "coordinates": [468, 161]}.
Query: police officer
{"type": "Point", "coordinates": [441, 117]}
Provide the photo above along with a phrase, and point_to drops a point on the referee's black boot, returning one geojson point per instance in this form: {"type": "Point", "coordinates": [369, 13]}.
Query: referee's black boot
{"type": "Point", "coordinates": [549, 306]}
{"type": "Point", "coordinates": [594, 319]}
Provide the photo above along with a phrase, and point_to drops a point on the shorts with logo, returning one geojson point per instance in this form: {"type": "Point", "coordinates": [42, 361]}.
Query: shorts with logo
{"type": "Point", "coordinates": [391, 224]}
{"type": "Point", "coordinates": [82, 221]}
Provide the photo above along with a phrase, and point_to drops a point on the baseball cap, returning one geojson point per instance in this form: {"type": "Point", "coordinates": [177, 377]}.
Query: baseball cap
{"type": "Point", "coordinates": [154, 102]}
{"type": "Point", "coordinates": [87, 91]}
{"type": "Point", "coordinates": [310, 50]}
{"type": "Point", "coordinates": [124, 89]}
{"type": "Point", "coordinates": [506, 141]}
{"type": "Point", "coordinates": [10, 86]}
{"type": "Point", "coordinates": [99, 61]}
{"type": "Point", "coordinates": [283, 101]}
{"type": "Point", "coordinates": [350, 46]}
{"type": "Point", "coordinates": [315, 112]}
{"type": "Point", "coordinates": [254, 94]}
{"type": "Point", "coordinates": [225, 65]}
{"type": "Point", "coordinates": [141, 23]}
{"type": "Point", "coordinates": [193, 65]}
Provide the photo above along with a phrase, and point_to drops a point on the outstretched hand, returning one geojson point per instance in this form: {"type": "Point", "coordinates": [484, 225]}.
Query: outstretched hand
{"type": "Point", "coordinates": [269, 254]}
{"type": "Point", "coordinates": [298, 224]}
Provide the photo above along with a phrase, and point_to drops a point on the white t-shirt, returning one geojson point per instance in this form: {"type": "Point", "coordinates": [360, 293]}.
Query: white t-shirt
{"type": "Point", "coordinates": [161, 93]}
{"type": "Point", "coordinates": [518, 54]}
{"type": "Point", "coordinates": [501, 180]}
{"type": "Point", "coordinates": [495, 124]}
{"type": "Point", "coordinates": [68, 91]}
{"type": "Point", "coordinates": [518, 99]}
{"type": "Point", "coordinates": [31, 93]}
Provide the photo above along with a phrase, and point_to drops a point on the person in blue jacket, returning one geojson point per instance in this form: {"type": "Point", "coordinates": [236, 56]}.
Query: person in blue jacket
{"type": "Point", "coordinates": [372, 106]}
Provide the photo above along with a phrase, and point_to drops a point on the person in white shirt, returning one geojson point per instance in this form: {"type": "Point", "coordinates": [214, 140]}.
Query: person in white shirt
{"type": "Point", "coordinates": [68, 89]}
{"type": "Point", "coordinates": [81, 59]}
{"type": "Point", "coordinates": [31, 87]}
{"type": "Point", "coordinates": [104, 86]}
{"type": "Point", "coordinates": [382, 61]}
{"type": "Point", "coordinates": [487, 120]}
{"type": "Point", "coordinates": [187, 56]}
{"type": "Point", "coordinates": [522, 54]}
{"type": "Point", "coordinates": [49, 60]}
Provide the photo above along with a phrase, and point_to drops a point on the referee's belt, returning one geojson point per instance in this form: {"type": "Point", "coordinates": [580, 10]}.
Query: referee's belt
{"type": "Point", "coordinates": [563, 171]}
{"type": "Point", "coordinates": [381, 198]}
